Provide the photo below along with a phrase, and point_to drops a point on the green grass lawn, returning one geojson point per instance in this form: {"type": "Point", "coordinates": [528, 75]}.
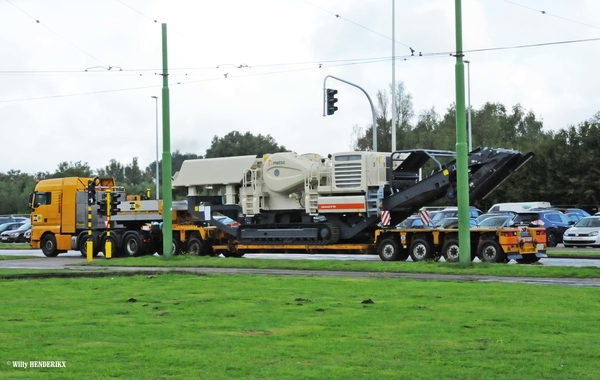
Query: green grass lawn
{"type": "Point", "coordinates": [250, 327]}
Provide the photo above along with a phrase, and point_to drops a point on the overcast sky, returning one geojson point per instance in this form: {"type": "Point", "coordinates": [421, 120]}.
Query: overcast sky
{"type": "Point", "coordinates": [259, 66]}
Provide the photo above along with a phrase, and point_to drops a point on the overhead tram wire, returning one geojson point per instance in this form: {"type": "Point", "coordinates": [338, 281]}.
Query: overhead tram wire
{"type": "Point", "coordinates": [58, 35]}
{"type": "Point", "coordinates": [359, 25]}
{"type": "Point", "coordinates": [428, 55]}
{"type": "Point", "coordinates": [543, 12]}
{"type": "Point", "coordinates": [171, 29]}
{"type": "Point", "coordinates": [318, 64]}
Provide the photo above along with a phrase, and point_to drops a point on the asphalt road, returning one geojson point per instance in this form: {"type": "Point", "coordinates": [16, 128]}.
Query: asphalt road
{"type": "Point", "coordinates": [73, 257]}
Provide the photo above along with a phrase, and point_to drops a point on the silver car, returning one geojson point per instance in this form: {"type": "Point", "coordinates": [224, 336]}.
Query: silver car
{"type": "Point", "coordinates": [586, 232]}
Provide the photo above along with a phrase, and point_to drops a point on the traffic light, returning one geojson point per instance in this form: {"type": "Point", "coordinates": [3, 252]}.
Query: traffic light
{"type": "Point", "coordinates": [91, 190]}
{"type": "Point", "coordinates": [331, 100]}
{"type": "Point", "coordinates": [102, 205]}
{"type": "Point", "coordinates": [114, 203]}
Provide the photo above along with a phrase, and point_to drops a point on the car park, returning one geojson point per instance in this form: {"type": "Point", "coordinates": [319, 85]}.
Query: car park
{"type": "Point", "coordinates": [13, 219]}
{"type": "Point", "coordinates": [412, 222]}
{"type": "Point", "coordinates": [555, 223]}
{"type": "Point", "coordinates": [492, 214]}
{"type": "Point", "coordinates": [496, 221]}
{"type": "Point", "coordinates": [17, 235]}
{"type": "Point", "coordinates": [10, 226]}
{"type": "Point", "coordinates": [452, 222]}
{"type": "Point", "coordinates": [452, 212]}
{"type": "Point", "coordinates": [586, 232]}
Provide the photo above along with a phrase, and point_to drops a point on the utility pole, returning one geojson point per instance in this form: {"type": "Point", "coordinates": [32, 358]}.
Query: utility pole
{"type": "Point", "coordinates": [166, 162]}
{"type": "Point", "coordinates": [464, 228]}
{"type": "Point", "coordinates": [393, 75]}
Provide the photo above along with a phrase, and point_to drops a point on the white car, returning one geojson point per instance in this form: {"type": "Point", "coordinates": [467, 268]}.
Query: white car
{"type": "Point", "coordinates": [584, 233]}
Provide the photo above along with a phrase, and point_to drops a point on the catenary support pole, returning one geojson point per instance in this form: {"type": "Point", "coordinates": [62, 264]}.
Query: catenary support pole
{"type": "Point", "coordinates": [464, 233]}
{"type": "Point", "coordinates": [166, 154]}
{"type": "Point", "coordinates": [393, 75]}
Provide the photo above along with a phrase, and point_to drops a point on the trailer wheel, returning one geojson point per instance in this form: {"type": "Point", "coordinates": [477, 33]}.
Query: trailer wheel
{"type": "Point", "coordinates": [49, 246]}
{"type": "Point", "coordinates": [450, 251]}
{"type": "Point", "coordinates": [420, 250]}
{"type": "Point", "coordinates": [388, 250]}
{"type": "Point", "coordinates": [194, 247]}
{"type": "Point", "coordinates": [83, 245]}
{"type": "Point", "coordinates": [489, 251]}
{"type": "Point", "coordinates": [132, 245]}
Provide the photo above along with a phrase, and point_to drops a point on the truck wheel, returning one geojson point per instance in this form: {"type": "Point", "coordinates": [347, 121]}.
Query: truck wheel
{"type": "Point", "coordinates": [132, 245]}
{"type": "Point", "coordinates": [420, 250]}
{"type": "Point", "coordinates": [489, 251]}
{"type": "Point", "coordinates": [83, 245]}
{"type": "Point", "coordinates": [194, 247]}
{"type": "Point", "coordinates": [551, 239]}
{"type": "Point", "coordinates": [388, 250]}
{"type": "Point", "coordinates": [450, 251]}
{"type": "Point", "coordinates": [49, 246]}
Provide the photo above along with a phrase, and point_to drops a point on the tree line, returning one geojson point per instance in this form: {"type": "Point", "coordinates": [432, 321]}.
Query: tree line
{"type": "Point", "coordinates": [564, 170]}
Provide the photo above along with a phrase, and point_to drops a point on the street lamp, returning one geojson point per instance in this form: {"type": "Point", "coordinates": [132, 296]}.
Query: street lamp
{"type": "Point", "coordinates": [469, 100]}
{"type": "Point", "coordinates": [157, 186]}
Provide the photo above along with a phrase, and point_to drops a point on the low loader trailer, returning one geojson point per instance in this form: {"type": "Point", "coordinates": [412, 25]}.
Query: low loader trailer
{"type": "Point", "coordinates": [344, 203]}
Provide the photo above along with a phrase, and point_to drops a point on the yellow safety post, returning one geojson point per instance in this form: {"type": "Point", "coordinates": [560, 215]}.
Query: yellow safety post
{"type": "Point", "coordinates": [90, 241]}
{"type": "Point", "coordinates": [108, 245]}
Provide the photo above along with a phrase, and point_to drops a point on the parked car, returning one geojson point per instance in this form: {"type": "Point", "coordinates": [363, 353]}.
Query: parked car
{"type": "Point", "coordinates": [496, 221]}
{"type": "Point", "coordinates": [555, 223]}
{"type": "Point", "coordinates": [17, 235]}
{"type": "Point", "coordinates": [492, 214]}
{"type": "Point", "coordinates": [413, 221]}
{"type": "Point", "coordinates": [10, 226]}
{"type": "Point", "coordinates": [13, 219]}
{"type": "Point", "coordinates": [574, 217]}
{"type": "Point", "coordinates": [453, 223]}
{"type": "Point", "coordinates": [27, 235]}
{"type": "Point", "coordinates": [586, 232]}
{"type": "Point", "coordinates": [452, 212]}
{"type": "Point", "coordinates": [577, 211]}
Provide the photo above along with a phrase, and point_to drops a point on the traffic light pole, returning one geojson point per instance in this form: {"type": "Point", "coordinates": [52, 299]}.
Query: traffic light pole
{"type": "Point", "coordinates": [109, 206]}
{"type": "Point", "coordinates": [367, 95]}
{"type": "Point", "coordinates": [91, 188]}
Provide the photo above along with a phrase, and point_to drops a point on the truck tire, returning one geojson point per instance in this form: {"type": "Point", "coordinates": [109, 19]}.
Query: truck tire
{"type": "Point", "coordinates": [83, 239]}
{"type": "Point", "coordinates": [194, 247]}
{"type": "Point", "coordinates": [49, 246]}
{"type": "Point", "coordinates": [420, 250]}
{"type": "Point", "coordinates": [132, 245]}
{"type": "Point", "coordinates": [450, 251]}
{"type": "Point", "coordinates": [390, 250]}
{"type": "Point", "coordinates": [490, 251]}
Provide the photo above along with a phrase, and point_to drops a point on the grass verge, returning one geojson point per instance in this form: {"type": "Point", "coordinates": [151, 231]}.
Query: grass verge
{"type": "Point", "coordinates": [592, 253]}
{"type": "Point", "coordinates": [15, 246]}
{"type": "Point", "coordinates": [243, 327]}
{"type": "Point", "coordinates": [363, 266]}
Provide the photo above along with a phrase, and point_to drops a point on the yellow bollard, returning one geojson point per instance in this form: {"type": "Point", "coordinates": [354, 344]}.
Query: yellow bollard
{"type": "Point", "coordinates": [90, 249]}
{"type": "Point", "coordinates": [90, 243]}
